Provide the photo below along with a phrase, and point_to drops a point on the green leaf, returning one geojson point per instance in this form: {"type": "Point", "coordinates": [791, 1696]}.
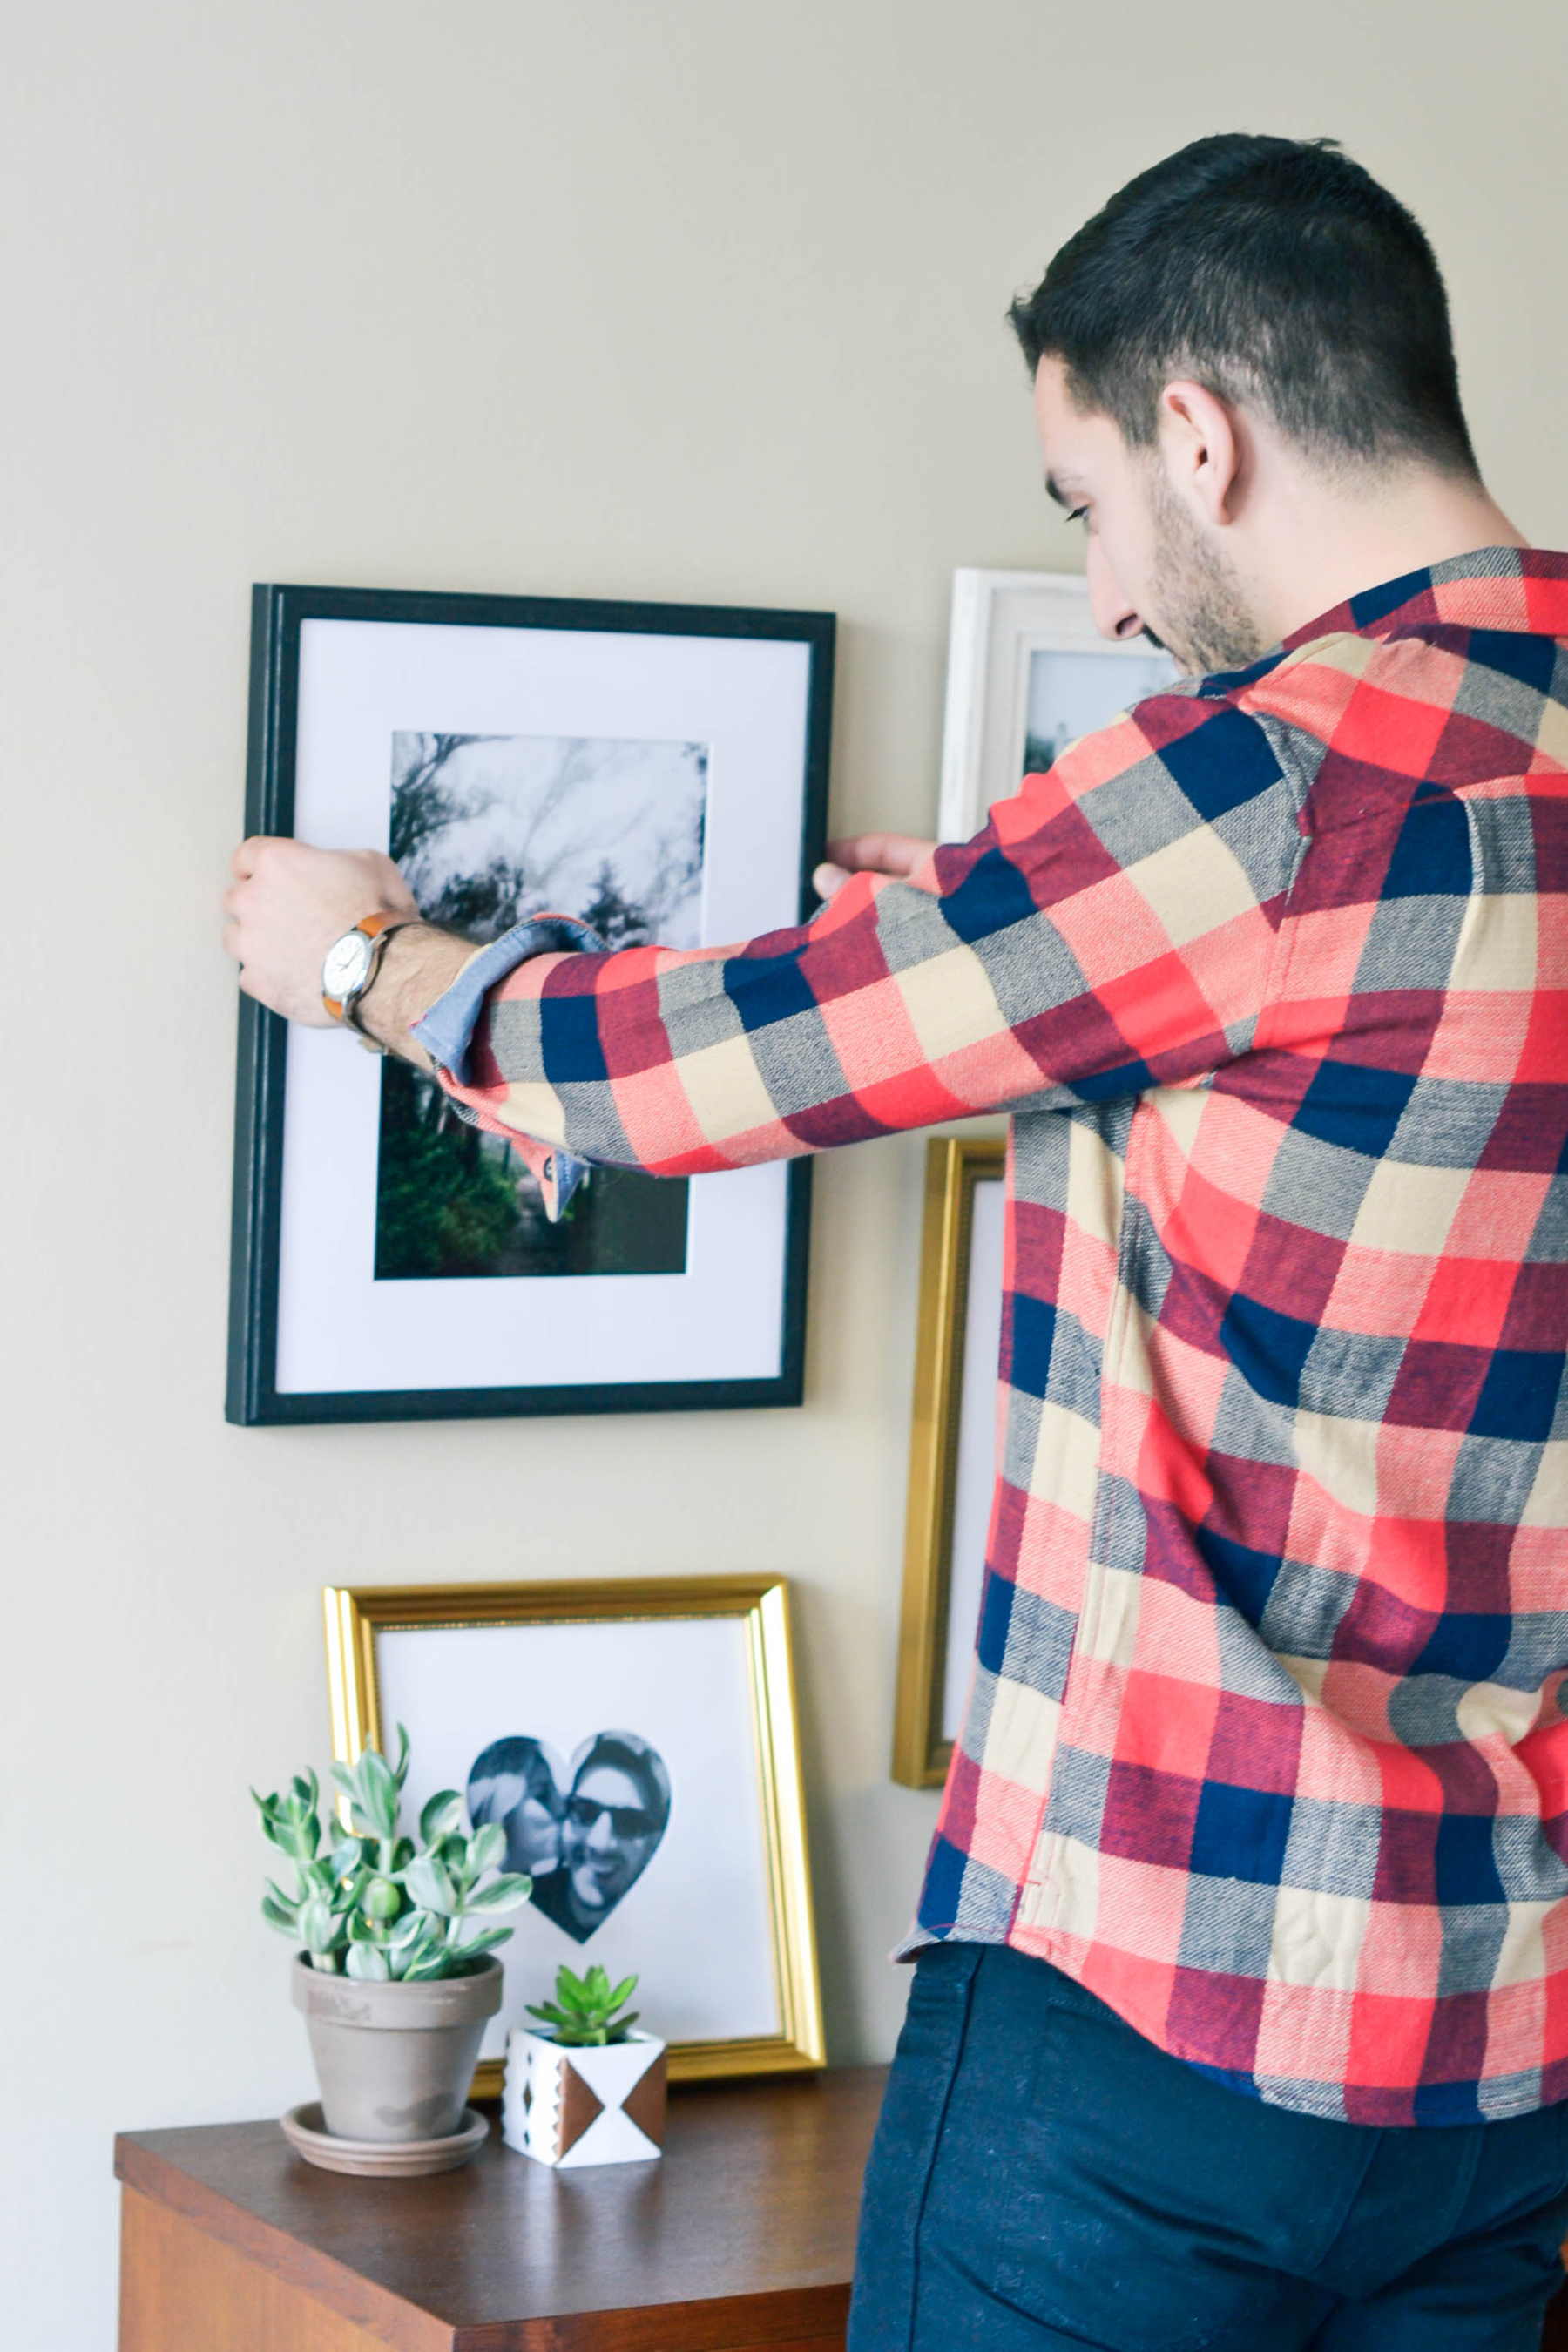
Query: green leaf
{"type": "Point", "coordinates": [549, 2012]}
{"type": "Point", "coordinates": [317, 1925]}
{"type": "Point", "coordinates": [430, 1885]}
{"type": "Point", "coordinates": [298, 1843]}
{"type": "Point", "coordinates": [367, 1963]}
{"type": "Point", "coordinates": [413, 1924]}
{"type": "Point", "coordinates": [487, 1848]}
{"type": "Point", "coordinates": [346, 1857]}
{"type": "Point", "coordinates": [428, 1965]}
{"type": "Point", "coordinates": [443, 1812]}
{"type": "Point", "coordinates": [378, 1793]}
{"type": "Point", "coordinates": [484, 1939]}
{"type": "Point", "coordinates": [502, 1895]}
{"type": "Point", "coordinates": [623, 1992]}
{"type": "Point", "coordinates": [281, 1915]}
{"type": "Point", "coordinates": [400, 1769]}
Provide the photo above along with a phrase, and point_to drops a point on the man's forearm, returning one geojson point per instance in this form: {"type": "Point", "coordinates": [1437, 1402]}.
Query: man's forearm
{"type": "Point", "coordinates": [418, 964]}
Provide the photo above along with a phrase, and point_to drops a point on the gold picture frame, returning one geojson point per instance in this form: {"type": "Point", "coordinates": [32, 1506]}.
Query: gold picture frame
{"type": "Point", "coordinates": [357, 1618]}
{"type": "Point", "coordinates": [954, 1166]}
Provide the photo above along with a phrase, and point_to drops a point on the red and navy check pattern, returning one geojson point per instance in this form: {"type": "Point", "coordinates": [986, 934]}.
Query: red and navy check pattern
{"type": "Point", "coordinates": [1265, 1744]}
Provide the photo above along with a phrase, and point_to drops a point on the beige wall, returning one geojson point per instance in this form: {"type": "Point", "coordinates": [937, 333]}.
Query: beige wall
{"type": "Point", "coordinates": [696, 299]}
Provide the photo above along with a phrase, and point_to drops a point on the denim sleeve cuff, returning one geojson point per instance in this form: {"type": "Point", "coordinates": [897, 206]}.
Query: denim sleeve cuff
{"type": "Point", "coordinates": [447, 1032]}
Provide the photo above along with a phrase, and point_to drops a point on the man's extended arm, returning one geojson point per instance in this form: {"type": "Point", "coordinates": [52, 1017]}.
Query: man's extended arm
{"type": "Point", "coordinates": [1111, 929]}
{"type": "Point", "coordinates": [289, 902]}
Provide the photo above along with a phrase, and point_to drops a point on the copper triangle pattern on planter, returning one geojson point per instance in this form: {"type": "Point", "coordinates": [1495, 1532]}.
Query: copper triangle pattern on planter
{"type": "Point", "coordinates": [579, 2107]}
{"type": "Point", "coordinates": [644, 2104]}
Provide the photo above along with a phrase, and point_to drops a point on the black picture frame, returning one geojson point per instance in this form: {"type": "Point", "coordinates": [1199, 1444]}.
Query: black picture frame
{"type": "Point", "coordinates": [277, 614]}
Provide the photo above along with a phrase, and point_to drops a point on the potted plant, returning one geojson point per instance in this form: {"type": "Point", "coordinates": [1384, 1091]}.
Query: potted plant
{"type": "Point", "coordinates": [396, 1977]}
{"type": "Point", "coordinates": [582, 2087]}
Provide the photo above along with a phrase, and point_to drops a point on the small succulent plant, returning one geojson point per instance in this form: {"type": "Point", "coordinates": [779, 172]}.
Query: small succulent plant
{"type": "Point", "coordinates": [583, 2011]}
{"type": "Point", "coordinates": [377, 1904]}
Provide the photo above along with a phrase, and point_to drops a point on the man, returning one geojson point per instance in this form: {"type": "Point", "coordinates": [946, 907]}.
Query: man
{"type": "Point", "coordinates": [1240, 2016]}
{"type": "Point", "coordinates": [615, 1817]}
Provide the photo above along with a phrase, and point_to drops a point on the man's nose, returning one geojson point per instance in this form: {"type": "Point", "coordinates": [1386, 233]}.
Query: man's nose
{"type": "Point", "coordinates": [1112, 614]}
{"type": "Point", "coordinates": [601, 1836]}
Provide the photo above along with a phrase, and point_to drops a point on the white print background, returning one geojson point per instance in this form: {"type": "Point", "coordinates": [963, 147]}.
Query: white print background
{"type": "Point", "coordinates": [1071, 694]}
{"type": "Point", "coordinates": [695, 1926]}
{"type": "Point", "coordinates": [361, 682]}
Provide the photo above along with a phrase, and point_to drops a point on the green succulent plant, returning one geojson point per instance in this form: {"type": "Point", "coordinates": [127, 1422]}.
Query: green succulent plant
{"type": "Point", "coordinates": [583, 2011]}
{"type": "Point", "coordinates": [372, 1902]}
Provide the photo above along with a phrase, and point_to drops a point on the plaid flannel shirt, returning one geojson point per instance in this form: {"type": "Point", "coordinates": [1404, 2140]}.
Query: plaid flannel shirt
{"type": "Point", "coordinates": [1265, 1744]}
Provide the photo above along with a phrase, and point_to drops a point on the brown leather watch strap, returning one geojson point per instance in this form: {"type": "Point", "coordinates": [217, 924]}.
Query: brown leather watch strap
{"type": "Point", "coordinates": [373, 927]}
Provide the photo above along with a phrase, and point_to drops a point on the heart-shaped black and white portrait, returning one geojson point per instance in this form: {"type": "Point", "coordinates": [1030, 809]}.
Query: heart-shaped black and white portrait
{"type": "Point", "coordinates": [584, 1832]}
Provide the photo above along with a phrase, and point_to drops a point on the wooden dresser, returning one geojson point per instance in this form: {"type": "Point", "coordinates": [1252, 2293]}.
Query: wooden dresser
{"type": "Point", "coordinates": [742, 2236]}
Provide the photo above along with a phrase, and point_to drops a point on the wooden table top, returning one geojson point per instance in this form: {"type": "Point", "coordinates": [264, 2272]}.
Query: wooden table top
{"type": "Point", "coordinates": [755, 2198]}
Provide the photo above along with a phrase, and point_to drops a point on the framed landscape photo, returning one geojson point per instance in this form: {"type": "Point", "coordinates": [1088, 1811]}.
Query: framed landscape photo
{"type": "Point", "coordinates": [637, 1741]}
{"type": "Point", "coordinates": [952, 1450]}
{"type": "Point", "coordinates": [659, 772]}
{"type": "Point", "coordinates": [1028, 673]}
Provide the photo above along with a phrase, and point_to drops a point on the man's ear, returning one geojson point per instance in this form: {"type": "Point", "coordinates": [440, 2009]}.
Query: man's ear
{"type": "Point", "coordinates": [1203, 449]}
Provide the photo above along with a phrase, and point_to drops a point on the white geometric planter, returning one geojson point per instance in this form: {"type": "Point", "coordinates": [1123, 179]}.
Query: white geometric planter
{"type": "Point", "coordinates": [569, 2106]}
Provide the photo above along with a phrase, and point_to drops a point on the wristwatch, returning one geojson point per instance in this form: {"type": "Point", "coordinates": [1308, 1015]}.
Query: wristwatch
{"type": "Point", "coordinates": [351, 964]}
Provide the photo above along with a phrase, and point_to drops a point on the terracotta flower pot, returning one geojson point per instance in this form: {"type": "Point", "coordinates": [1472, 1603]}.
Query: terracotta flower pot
{"type": "Point", "coordinates": [394, 2061]}
{"type": "Point", "coordinates": [567, 2105]}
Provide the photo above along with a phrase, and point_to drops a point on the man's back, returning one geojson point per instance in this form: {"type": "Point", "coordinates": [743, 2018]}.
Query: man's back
{"type": "Point", "coordinates": [1265, 1745]}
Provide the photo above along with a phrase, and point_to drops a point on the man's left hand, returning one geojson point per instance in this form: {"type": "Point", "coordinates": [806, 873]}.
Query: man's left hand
{"type": "Point", "coordinates": [287, 905]}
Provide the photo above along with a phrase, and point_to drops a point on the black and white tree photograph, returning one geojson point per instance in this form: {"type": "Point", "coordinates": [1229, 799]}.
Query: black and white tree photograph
{"type": "Point", "coordinates": [488, 830]}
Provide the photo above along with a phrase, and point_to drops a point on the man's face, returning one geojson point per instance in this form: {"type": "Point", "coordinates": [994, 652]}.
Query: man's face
{"type": "Point", "coordinates": [1151, 564]}
{"type": "Point", "coordinates": [607, 1836]}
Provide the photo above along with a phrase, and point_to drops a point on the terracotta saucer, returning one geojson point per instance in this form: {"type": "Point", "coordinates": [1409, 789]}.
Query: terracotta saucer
{"type": "Point", "coordinates": [384, 2159]}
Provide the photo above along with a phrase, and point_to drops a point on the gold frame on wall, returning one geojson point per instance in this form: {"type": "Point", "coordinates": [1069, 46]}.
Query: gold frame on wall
{"type": "Point", "coordinates": [954, 1165]}
{"type": "Point", "coordinates": [354, 1618]}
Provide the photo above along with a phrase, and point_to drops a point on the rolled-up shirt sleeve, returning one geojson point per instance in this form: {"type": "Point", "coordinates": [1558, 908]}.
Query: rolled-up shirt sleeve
{"type": "Point", "coordinates": [1111, 929]}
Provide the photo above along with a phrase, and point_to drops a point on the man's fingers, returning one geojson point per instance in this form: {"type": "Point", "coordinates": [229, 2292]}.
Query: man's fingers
{"type": "Point", "coordinates": [880, 853]}
{"type": "Point", "coordinates": [244, 856]}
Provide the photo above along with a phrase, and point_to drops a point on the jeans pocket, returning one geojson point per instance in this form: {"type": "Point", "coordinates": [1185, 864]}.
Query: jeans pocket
{"type": "Point", "coordinates": [1102, 2231]}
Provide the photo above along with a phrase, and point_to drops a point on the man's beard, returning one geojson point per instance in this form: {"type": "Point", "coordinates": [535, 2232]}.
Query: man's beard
{"type": "Point", "coordinates": [1205, 618]}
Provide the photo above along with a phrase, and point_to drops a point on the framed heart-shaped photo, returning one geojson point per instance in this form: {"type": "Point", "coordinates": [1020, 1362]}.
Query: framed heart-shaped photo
{"type": "Point", "coordinates": [634, 1741]}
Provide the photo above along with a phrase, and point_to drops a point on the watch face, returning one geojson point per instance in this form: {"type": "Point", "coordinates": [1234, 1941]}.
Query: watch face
{"type": "Point", "coordinates": [347, 963]}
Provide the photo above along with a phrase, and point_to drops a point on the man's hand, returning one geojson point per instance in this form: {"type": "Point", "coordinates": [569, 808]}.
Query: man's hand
{"type": "Point", "coordinates": [895, 854]}
{"type": "Point", "coordinates": [287, 905]}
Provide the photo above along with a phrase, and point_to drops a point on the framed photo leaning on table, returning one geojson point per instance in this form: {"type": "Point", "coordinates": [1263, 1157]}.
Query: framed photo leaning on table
{"type": "Point", "coordinates": [952, 1450]}
{"type": "Point", "coordinates": [637, 1740]}
{"type": "Point", "coordinates": [659, 771]}
{"type": "Point", "coordinates": [1028, 673]}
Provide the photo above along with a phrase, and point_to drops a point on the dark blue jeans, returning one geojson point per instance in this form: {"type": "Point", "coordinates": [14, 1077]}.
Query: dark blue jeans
{"type": "Point", "coordinates": [1042, 2176]}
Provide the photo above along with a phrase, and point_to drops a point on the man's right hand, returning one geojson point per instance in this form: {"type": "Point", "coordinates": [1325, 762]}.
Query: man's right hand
{"type": "Point", "coordinates": [894, 854]}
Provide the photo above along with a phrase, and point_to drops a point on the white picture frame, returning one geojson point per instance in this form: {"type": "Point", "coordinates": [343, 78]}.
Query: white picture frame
{"type": "Point", "coordinates": [1013, 635]}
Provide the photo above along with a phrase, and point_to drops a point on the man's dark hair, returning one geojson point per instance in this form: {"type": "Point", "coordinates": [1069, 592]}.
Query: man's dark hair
{"type": "Point", "coordinates": [1277, 273]}
{"type": "Point", "coordinates": [624, 1751]}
